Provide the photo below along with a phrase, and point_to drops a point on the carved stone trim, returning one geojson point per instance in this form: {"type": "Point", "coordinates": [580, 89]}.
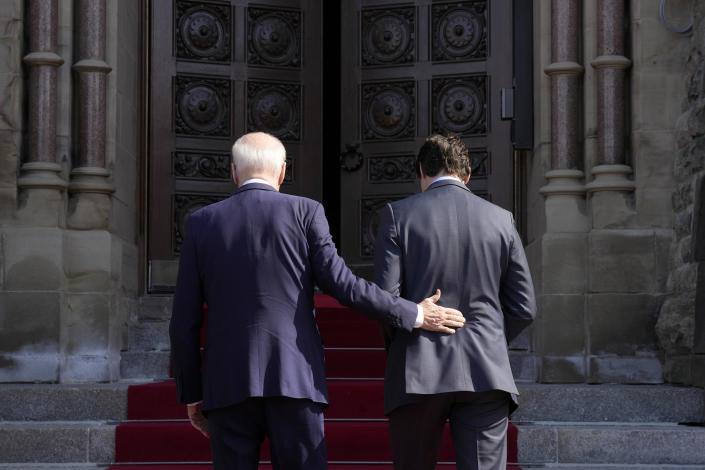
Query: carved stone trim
{"type": "Point", "coordinates": [611, 178]}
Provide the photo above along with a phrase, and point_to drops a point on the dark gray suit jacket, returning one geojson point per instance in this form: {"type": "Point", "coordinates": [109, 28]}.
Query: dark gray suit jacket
{"type": "Point", "coordinates": [450, 239]}
{"type": "Point", "coordinates": [254, 259]}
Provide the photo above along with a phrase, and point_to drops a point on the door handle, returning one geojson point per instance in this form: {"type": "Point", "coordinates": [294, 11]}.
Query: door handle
{"type": "Point", "coordinates": [351, 159]}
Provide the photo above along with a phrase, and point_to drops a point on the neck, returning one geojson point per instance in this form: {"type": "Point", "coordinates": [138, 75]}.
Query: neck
{"type": "Point", "coordinates": [268, 178]}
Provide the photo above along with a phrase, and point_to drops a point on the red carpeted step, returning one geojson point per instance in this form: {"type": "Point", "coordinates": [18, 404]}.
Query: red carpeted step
{"type": "Point", "coordinates": [440, 466]}
{"type": "Point", "coordinates": [180, 442]}
{"type": "Point", "coordinates": [355, 363]}
{"type": "Point", "coordinates": [340, 327]}
{"type": "Point", "coordinates": [348, 399]}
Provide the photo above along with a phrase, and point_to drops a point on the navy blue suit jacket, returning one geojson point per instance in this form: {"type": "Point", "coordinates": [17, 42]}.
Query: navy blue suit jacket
{"type": "Point", "coordinates": [254, 259]}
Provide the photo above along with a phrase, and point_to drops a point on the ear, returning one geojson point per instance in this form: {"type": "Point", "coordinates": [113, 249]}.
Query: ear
{"type": "Point", "coordinates": [467, 178]}
{"type": "Point", "coordinates": [282, 174]}
{"type": "Point", "coordinates": [233, 172]}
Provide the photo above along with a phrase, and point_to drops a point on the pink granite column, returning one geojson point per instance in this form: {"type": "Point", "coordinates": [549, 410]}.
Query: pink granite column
{"type": "Point", "coordinates": [565, 177]}
{"type": "Point", "coordinates": [40, 170]}
{"type": "Point", "coordinates": [90, 186]}
{"type": "Point", "coordinates": [611, 172]}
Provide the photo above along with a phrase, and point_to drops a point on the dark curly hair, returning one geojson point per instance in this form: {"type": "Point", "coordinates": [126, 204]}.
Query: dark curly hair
{"type": "Point", "coordinates": [443, 152]}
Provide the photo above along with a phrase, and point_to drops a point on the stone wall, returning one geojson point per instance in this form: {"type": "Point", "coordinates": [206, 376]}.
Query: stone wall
{"type": "Point", "coordinates": [599, 246]}
{"type": "Point", "coordinates": [69, 268]}
{"type": "Point", "coordinates": [681, 322]}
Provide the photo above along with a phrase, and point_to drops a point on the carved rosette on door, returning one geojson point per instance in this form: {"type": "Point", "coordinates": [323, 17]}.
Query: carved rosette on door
{"type": "Point", "coordinates": [421, 67]}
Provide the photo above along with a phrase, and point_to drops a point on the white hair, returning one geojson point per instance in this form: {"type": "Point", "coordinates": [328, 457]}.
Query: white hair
{"type": "Point", "coordinates": [258, 152]}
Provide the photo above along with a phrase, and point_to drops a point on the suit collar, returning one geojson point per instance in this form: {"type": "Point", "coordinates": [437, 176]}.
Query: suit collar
{"type": "Point", "coordinates": [448, 182]}
{"type": "Point", "coordinates": [262, 186]}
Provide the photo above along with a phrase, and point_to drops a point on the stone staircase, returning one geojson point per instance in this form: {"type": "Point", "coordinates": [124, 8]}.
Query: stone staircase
{"type": "Point", "coordinates": [577, 427]}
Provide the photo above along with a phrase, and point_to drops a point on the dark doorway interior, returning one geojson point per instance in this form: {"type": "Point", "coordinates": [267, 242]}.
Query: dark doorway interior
{"type": "Point", "coordinates": [331, 115]}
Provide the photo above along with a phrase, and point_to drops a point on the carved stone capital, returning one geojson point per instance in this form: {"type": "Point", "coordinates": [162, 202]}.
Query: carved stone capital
{"type": "Point", "coordinates": [611, 62]}
{"type": "Point", "coordinates": [91, 65]}
{"type": "Point", "coordinates": [43, 58]}
{"type": "Point", "coordinates": [41, 175]}
{"type": "Point", "coordinates": [611, 178]}
{"type": "Point", "coordinates": [90, 180]}
{"type": "Point", "coordinates": [564, 68]}
{"type": "Point", "coordinates": [564, 183]}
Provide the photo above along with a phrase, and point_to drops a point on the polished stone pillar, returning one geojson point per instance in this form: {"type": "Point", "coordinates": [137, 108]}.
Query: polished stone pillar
{"type": "Point", "coordinates": [40, 185]}
{"type": "Point", "coordinates": [612, 171]}
{"type": "Point", "coordinates": [565, 190]}
{"type": "Point", "coordinates": [611, 188]}
{"type": "Point", "coordinates": [90, 186]}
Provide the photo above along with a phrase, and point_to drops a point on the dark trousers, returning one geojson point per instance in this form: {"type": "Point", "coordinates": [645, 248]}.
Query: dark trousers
{"type": "Point", "coordinates": [294, 428]}
{"type": "Point", "coordinates": [478, 426]}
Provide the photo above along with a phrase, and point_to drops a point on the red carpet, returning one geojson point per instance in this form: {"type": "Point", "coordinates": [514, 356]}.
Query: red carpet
{"type": "Point", "coordinates": [356, 432]}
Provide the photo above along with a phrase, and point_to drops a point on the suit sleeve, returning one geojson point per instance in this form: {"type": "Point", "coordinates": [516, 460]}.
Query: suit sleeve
{"type": "Point", "coordinates": [336, 279]}
{"type": "Point", "coordinates": [186, 321]}
{"type": "Point", "coordinates": [388, 268]}
{"type": "Point", "coordinates": [516, 292]}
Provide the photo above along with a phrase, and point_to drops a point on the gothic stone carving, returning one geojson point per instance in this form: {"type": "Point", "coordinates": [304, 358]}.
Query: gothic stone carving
{"type": "Point", "coordinates": [203, 31]}
{"type": "Point", "coordinates": [369, 221]}
{"type": "Point", "coordinates": [460, 105]}
{"type": "Point", "coordinates": [389, 110]}
{"type": "Point", "coordinates": [202, 165]}
{"type": "Point", "coordinates": [202, 106]}
{"type": "Point", "coordinates": [391, 169]}
{"type": "Point", "coordinates": [274, 37]}
{"type": "Point", "coordinates": [459, 31]}
{"type": "Point", "coordinates": [274, 108]}
{"type": "Point", "coordinates": [388, 36]}
{"type": "Point", "coordinates": [184, 205]}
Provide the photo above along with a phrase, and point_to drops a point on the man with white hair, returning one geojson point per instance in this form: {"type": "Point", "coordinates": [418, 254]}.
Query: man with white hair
{"type": "Point", "coordinates": [254, 259]}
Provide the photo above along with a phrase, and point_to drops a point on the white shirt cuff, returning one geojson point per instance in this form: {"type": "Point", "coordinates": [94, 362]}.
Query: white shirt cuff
{"type": "Point", "coordinates": [419, 316]}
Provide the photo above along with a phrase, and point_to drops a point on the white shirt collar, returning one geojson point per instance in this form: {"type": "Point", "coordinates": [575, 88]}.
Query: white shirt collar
{"type": "Point", "coordinates": [256, 180]}
{"type": "Point", "coordinates": [441, 178]}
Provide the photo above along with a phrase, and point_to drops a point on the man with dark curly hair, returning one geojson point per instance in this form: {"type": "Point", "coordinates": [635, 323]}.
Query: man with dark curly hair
{"type": "Point", "coordinates": [449, 238]}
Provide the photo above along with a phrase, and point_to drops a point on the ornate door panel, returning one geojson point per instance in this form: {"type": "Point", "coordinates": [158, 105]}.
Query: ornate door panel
{"type": "Point", "coordinates": [220, 69]}
{"type": "Point", "coordinates": [409, 70]}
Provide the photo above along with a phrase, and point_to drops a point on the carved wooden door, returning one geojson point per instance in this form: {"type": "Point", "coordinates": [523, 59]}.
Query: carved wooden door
{"type": "Point", "coordinates": [409, 70]}
{"type": "Point", "coordinates": [219, 69]}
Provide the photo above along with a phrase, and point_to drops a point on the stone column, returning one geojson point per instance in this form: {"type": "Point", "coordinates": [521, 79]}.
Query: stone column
{"type": "Point", "coordinates": [565, 192]}
{"type": "Point", "coordinates": [611, 172]}
{"type": "Point", "coordinates": [41, 187]}
{"type": "Point", "coordinates": [90, 186]}
{"type": "Point", "coordinates": [560, 328]}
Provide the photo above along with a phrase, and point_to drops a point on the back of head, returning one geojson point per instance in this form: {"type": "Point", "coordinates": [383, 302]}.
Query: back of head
{"type": "Point", "coordinates": [444, 153]}
{"type": "Point", "coordinates": [258, 152]}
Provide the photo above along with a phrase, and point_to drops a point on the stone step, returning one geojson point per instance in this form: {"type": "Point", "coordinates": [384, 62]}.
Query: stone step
{"type": "Point", "coordinates": [614, 443]}
{"type": "Point", "coordinates": [61, 402]}
{"type": "Point", "coordinates": [58, 442]}
{"type": "Point", "coordinates": [537, 402]}
{"type": "Point", "coordinates": [145, 365]}
{"type": "Point", "coordinates": [621, 403]}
